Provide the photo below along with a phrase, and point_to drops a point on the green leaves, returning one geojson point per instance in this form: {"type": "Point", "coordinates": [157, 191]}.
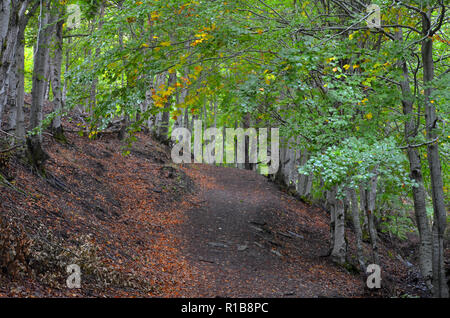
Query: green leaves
{"type": "Point", "coordinates": [352, 161]}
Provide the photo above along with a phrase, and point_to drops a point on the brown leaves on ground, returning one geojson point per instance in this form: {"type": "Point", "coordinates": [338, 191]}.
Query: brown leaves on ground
{"type": "Point", "coordinates": [126, 204]}
{"type": "Point", "coordinates": [144, 227]}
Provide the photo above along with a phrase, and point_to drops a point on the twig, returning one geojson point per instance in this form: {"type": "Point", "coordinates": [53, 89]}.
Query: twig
{"type": "Point", "coordinates": [10, 149]}
{"type": "Point", "coordinates": [420, 145]}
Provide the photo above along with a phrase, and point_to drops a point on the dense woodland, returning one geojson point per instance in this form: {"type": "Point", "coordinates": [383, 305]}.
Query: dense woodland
{"type": "Point", "coordinates": [363, 110]}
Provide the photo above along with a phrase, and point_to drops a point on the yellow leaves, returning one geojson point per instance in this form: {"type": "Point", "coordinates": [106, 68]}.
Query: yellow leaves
{"type": "Point", "coordinates": [365, 100]}
{"type": "Point", "coordinates": [335, 69]}
{"type": "Point", "coordinates": [355, 66]}
{"type": "Point", "coordinates": [331, 59]}
{"type": "Point", "coordinates": [369, 116]}
{"type": "Point", "coordinates": [166, 43]}
{"type": "Point", "coordinates": [155, 16]}
{"type": "Point", "coordinates": [198, 69]}
{"type": "Point", "coordinates": [139, 3]}
{"type": "Point", "coordinates": [352, 35]}
{"type": "Point", "coordinates": [92, 134]}
{"type": "Point", "coordinates": [176, 113]}
{"type": "Point", "coordinates": [186, 80]}
{"type": "Point", "coordinates": [326, 85]}
{"type": "Point", "coordinates": [169, 91]}
{"type": "Point", "coordinates": [161, 97]}
{"type": "Point", "coordinates": [201, 37]}
{"type": "Point", "coordinates": [269, 78]}
{"type": "Point", "coordinates": [196, 42]}
{"type": "Point", "coordinates": [346, 66]}
{"type": "Point", "coordinates": [144, 45]}
{"type": "Point", "coordinates": [260, 31]}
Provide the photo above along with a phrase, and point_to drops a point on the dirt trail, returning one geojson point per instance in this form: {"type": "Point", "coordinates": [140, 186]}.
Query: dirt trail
{"type": "Point", "coordinates": [246, 238]}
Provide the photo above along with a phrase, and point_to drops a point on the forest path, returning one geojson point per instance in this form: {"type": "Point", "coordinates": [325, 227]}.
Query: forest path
{"type": "Point", "coordinates": [246, 238]}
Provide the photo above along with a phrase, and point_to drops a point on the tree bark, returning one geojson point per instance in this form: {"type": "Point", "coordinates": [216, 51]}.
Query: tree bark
{"type": "Point", "coordinates": [418, 192]}
{"type": "Point", "coordinates": [371, 194]}
{"type": "Point", "coordinates": [13, 14]}
{"type": "Point", "coordinates": [55, 76]}
{"type": "Point", "coordinates": [440, 288]}
{"type": "Point", "coordinates": [34, 142]}
{"type": "Point", "coordinates": [339, 251]}
{"type": "Point", "coordinates": [357, 225]}
{"type": "Point", "coordinates": [92, 96]}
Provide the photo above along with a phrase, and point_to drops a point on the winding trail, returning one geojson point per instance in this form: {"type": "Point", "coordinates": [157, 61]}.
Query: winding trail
{"type": "Point", "coordinates": [246, 238]}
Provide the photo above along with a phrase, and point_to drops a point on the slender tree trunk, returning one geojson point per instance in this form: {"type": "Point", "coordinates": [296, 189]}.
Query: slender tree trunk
{"type": "Point", "coordinates": [37, 154]}
{"type": "Point", "coordinates": [371, 194]}
{"type": "Point", "coordinates": [6, 51]}
{"type": "Point", "coordinates": [93, 93]}
{"type": "Point", "coordinates": [357, 225]}
{"type": "Point", "coordinates": [440, 288]}
{"type": "Point", "coordinates": [12, 15]}
{"type": "Point", "coordinates": [20, 61]}
{"type": "Point", "coordinates": [164, 124]}
{"type": "Point", "coordinates": [55, 77]}
{"type": "Point", "coordinates": [338, 253]}
{"type": "Point", "coordinates": [418, 192]}
{"type": "Point", "coordinates": [330, 204]}
{"type": "Point", "coordinates": [247, 164]}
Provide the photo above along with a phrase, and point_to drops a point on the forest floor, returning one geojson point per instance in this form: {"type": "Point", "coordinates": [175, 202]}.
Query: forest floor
{"type": "Point", "coordinates": [140, 226]}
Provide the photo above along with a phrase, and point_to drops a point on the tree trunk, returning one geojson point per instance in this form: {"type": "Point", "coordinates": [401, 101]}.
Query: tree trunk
{"type": "Point", "coordinates": [440, 288]}
{"type": "Point", "coordinates": [330, 206]}
{"type": "Point", "coordinates": [357, 225]}
{"type": "Point", "coordinates": [418, 192]}
{"type": "Point", "coordinates": [13, 17]}
{"type": "Point", "coordinates": [92, 96]}
{"type": "Point", "coordinates": [371, 194]}
{"type": "Point", "coordinates": [55, 77]}
{"type": "Point", "coordinates": [165, 118]}
{"type": "Point", "coordinates": [6, 50]}
{"type": "Point", "coordinates": [34, 142]}
{"type": "Point", "coordinates": [339, 247]}
{"type": "Point", "coordinates": [20, 61]}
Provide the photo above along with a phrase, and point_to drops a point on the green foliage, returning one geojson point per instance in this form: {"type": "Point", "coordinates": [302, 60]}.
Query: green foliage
{"type": "Point", "coordinates": [329, 82]}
